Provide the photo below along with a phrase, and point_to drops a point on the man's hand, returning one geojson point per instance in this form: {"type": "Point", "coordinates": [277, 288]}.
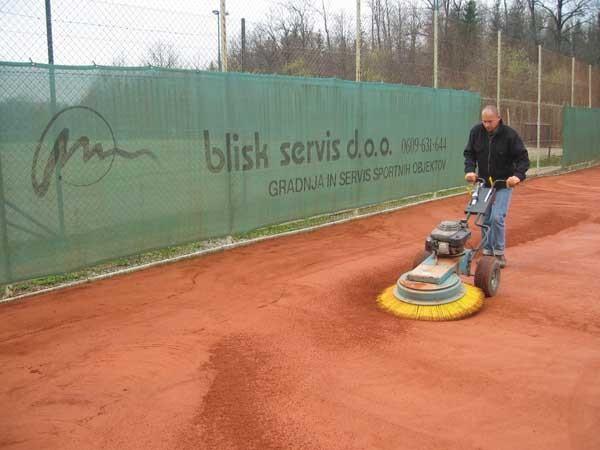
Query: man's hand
{"type": "Point", "coordinates": [512, 181]}
{"type": "Point", "coordinates": [471, 177]}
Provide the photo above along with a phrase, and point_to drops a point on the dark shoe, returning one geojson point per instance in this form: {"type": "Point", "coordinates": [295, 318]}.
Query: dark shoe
{"type": "Point", "coordinates": [502, 260]}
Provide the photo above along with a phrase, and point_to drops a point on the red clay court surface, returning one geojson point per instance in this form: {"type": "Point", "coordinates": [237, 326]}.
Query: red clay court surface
{"type": "Point", "coordinates": [281, 345]}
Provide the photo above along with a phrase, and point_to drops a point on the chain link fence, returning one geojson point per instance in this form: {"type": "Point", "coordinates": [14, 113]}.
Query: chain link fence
{"type": "Point", "coordinates": [303, 38]}
{"type": "Point", "coordinates": [310, 38]}
{"type": "Point", "coordinates": [96, 32]}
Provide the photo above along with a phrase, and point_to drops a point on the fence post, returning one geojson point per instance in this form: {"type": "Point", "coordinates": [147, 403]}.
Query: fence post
{"type": "Point", "coordinates": [590, 85]}
{"type": "Point", "coordinates": [243, 43]}
{"type": "Point", "coordinates": [57, 155]}
{"type": "Point", "coordinates": [358, 40]}
{"type": "Point", "coordinates": [223, 19]}
{"type": "Point", "coordinates": [539, 104]}
{"type": "Point", "coordinates": [572, 81]}
{"type": "Point", "coordinates": [435, 44]}
{"type": "Point", "coordinates": [50, 44]}
{"type": "Point", "coordinates": [499, 71]}
{"type": "Point", "coordinates": [5, 262]}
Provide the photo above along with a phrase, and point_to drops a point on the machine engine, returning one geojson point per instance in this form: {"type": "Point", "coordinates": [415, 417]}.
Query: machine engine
{"type": "Point", "coordinates": [448, 238]}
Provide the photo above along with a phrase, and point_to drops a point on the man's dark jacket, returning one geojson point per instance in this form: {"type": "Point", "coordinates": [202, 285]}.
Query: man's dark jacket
{"type": "Point", "coordinates": [499, 155]}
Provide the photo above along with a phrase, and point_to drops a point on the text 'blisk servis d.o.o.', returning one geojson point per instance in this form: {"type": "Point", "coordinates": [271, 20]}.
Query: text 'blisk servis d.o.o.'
{"type": "Point", "coordinates": [238, 154]}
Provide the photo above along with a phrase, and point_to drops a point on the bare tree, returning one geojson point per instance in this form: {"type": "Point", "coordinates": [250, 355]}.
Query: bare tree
{"type": "Point", "coordinates": [161, 54]}
{"type": "Point", "coordinates": [516, 20]}
{"type": "Point", "coordinates": [563, 15]}
{"type": "Point", "coordinates": [414, 30]}
{"type": "Point", "coordinates": [374, 23]}
{"type": "Point", "coordinates": [594, 38]}
{"type": "Point", "coordinates": [119, 59]}
{"type": "Point", "coordinates": [342, 38]}
{"type": "Point", "coordinates": [495, 18]}
{"type": "Point", "coordinates": [397, 26]}
{"type": "Point", "coordinates": [388, 37]}
{"type": "Point", "coordinates": [291, 40]}
{"type": "Point", "coordinates": [531, 6]}
{"type": "Point", "coordinates": [326, 28]}
{"type": "Point", "coordinates": [378, 25]}
{"type": "Point", "coordinates": [300, 20]}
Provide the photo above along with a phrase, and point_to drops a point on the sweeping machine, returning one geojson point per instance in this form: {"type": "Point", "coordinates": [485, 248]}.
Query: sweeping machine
{"type": "Point", "coordinates": [433, 289]}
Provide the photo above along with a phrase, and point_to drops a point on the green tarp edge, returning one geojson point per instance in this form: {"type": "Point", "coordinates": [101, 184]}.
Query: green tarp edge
{"type": "Point", "coordinates": [151, 158]}
{"type": "Point", "coordinates": [581, 135]}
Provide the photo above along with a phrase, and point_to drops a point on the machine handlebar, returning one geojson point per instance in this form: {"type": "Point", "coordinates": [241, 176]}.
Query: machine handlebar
{"type": "Point", "coordinates": [482, 182]}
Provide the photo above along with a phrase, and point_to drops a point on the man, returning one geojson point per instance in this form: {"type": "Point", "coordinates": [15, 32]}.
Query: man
{"type": "Point", "coordinates": [495, 150]}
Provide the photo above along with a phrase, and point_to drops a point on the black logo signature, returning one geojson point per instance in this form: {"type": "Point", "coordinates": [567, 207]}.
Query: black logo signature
{"type": "Point", "coordinates": [62, 152]}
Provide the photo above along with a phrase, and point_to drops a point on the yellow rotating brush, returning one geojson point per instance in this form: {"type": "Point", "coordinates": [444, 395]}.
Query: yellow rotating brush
{"type": "Point", "coordinates": [469, 303]}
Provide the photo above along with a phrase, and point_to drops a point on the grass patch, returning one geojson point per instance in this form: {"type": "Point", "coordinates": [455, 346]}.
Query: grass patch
{"type": "Point", "coordinates": [106, 267]}
{"type": "Point", "coordinates": [552, 160]}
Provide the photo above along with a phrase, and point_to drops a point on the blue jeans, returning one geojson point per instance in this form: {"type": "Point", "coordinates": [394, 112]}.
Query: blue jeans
{"type": "Point", "coordinates": [494, 240]}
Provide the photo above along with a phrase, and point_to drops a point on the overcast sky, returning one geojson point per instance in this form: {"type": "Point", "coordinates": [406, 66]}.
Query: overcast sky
{"type": "Point", "coordinates": [105, 31]}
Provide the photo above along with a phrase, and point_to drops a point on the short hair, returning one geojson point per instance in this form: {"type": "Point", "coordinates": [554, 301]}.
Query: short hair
{"type": "Point", "coordinates": [492, 109]}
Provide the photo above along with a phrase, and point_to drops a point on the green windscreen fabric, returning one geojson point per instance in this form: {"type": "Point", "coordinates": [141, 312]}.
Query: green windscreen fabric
{"type": "Point", "coordinates": [98, 163]}
{"type": "Point", "coordinates": [581, 135]}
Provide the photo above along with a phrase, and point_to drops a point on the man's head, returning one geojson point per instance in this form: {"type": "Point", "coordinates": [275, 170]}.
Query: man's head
{"type": "Point", "coordinates": [490, 118]}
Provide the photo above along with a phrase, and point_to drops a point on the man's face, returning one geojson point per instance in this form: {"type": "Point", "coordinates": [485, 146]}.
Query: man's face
{"type": "Point", "coordinates": [490, 120]}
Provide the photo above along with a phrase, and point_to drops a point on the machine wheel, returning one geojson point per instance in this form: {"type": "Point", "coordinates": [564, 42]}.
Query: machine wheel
{"type": "Point", "coordinates": [487, 275]}
{"type": "Point", "coordinates": [420, 257]}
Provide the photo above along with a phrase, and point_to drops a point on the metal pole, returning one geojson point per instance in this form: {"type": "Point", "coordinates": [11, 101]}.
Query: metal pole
{"type": "Point", "coordinates": [4, 231]}
{"type": "Point", "coordinates": [498, 72]}
{"type": "Point", "coordinates": [435, 44]}
{"type": "Point", "coordinates": [539, 104]}
{"type": "Point", "coordinates": [217, 13]}
{"type": "Point", "coordinates": [243, 42]}
{"type": "Point", "coordinates": [572, 81]}
{"type": "Point", "coordinates": [57, 156]}
{"type": "Point", "coordinates": [590, 85]}
{"type": "Point", "coordinates": [358, 40]}
{"type": "Point", "coordinates": [219, 42]}
{"type": "Point", "coordinates": [50, 55]}
{"type": "Point", "coordinates": [223, 17]}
